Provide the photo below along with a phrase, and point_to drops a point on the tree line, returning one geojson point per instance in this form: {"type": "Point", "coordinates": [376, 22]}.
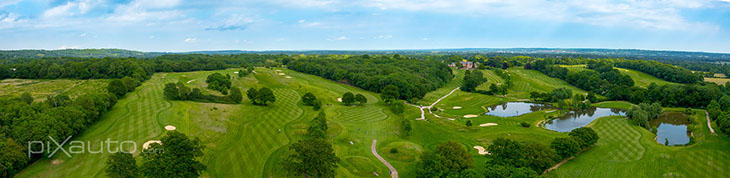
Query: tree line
{"type": "Point", "coordinates": [506, 158]}
{"type": "Point", "coordinates": [413, 77]}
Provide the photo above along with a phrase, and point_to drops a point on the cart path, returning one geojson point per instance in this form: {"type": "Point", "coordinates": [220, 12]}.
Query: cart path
{"type": "Point", "coordinates": [708, 123]}
{"type": "Point", "coordinates": [423, 113]}
{"type": "Point", "coordinates": [394, 173]}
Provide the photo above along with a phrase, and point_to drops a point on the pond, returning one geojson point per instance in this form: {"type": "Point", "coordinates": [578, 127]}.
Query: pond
{"type": "Point", "coordinates": [578, 119]}
{"type": "Point", "coordinates": [672, 128]}
{"type": "Point", "coordinates": [510, 109]}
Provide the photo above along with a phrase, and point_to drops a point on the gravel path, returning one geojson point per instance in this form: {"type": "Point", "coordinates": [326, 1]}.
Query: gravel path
{"type": "Point", "coordinates": [393, 172]}
{"type": "Point", "coordinates": [423, 113]}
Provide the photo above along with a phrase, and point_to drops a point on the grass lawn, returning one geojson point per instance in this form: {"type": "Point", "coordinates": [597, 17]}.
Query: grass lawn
{"type": "Point", "coordinates": [625, 150]}
{"type": "Point", "coordinates": [526, 81]}
{"type": "Point", "coordinates": [640, 79]}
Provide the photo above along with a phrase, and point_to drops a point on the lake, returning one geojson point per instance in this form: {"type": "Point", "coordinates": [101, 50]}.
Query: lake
{"type": "Point", "coordinates": [672, 128]}
{"type": "Point", "coordinates": [578, 119]}
{"type": "Point", "coordinates": [511, 109]}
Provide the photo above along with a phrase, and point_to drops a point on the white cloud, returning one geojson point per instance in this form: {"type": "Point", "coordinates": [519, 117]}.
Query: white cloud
{"type": "Point", "coordinates": [69, 47]}
{"type": "Point", "coordinates": [11, 20]}
{"type": "Point", "coordinates": [425, 39]}
{"type": "Point", "coordinates": [384, 37]}
{"type": "Point", "coordinates": [82, 35]}
{"type": "Point", "coordinates": [144, 10]}
{"type": "Point", "coordinates": [652, 14]}
{"type": "Point", "coordinates": [339, 38]}
{"type": "Point", "coordinates": [71, 8]}
{"type": "Point", "coordinates": [8, 2]}
{"type": "Point", "coordinates": [190, 40]}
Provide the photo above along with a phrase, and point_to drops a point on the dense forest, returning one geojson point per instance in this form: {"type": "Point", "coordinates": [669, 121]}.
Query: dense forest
{"type": "Point", "coordinates": [413, 77]}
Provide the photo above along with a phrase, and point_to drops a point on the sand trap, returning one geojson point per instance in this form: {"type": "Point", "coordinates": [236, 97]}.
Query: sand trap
{"type": "Point", "coordinates": [287, 77]}
{"type": "Point", "coordinates": [278, 70]}
{"type": "Point", "coordinates": [191, 81]}
{"type": "Point", "coordinates": [351, 143]}
{"type": "Point", "coordinates": [147, 144]}
{"type": "Point", "coordinates": [339, 99]}
{"type": "Point", "coordinates": [282, 74]}
{"type": "Point", "coordinates": [550, 111]}
{"type": "Point", "coordinates": [487, 124]}
{"type": "Point", "coordinates": [470, 116]}
{"type": "Point", "coordinates": [457, 107]}
{"type": "Point", "coordinates": [481, 150]}
{"type": "Point", "coordinates": [169, 127]}
{"type": "Point", "coordinates": [253, 72]}
{"type": "Point", "coordinates": [235, 72]}
{"type": "Point", "coordinates": [56, 161]}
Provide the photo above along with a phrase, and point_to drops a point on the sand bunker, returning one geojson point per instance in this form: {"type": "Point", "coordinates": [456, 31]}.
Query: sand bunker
{"type": "Point", "coordinates": [147, 144]}
{"type": "Point", "coordinates": [253, 72]}
{"type": "Point", "coordinates": [56, 161]}
{"type": "Point", "coordinates": [339, 99]}
{"type": "Point", "coordinates": [287, 77]}
{"type": "Point", "coordinates": [169, 127]}
{"type": "Point", "coordinates": [481, 150]}
{"type": "Point", "coordinates": [191, 81]}
{"type": "Point", "coordinates": [235, 72]}
{"type": "Point", "coordinates": [282, 74]}
{"type": "Point", "coordinates": [470, 116]}
{"type": "Point", "coordinates": [278, 70]}
{"type": "Point", "coordinates": [487, 124]}
{"type": "Point", "coordinates": [550, 111]}
{"type": "Point", "coordinates": [457, 107]}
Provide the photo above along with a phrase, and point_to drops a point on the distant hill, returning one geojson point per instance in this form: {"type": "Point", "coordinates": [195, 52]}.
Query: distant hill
{"type": "Point", "coordinates": [534, 52]}
{"type": "Point", "coordinates": [88, 53]}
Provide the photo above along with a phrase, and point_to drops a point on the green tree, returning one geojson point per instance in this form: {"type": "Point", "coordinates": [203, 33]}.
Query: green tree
{"type": "Point", "coordinates": [121, 165]}
{"type": "Point", "coordinates": [26, 98]}
{"type": "Point", "coordinates": [316, 105]}
{"type": "Point", "coordinates": [565, 147]}
{"type": "Point", "coordinates": [252, 95]}
{"type": "Point", "coordinates": [308, 99]}
{"type": "Point", "coordinates": [311, 157]}
{"type": "Point", "coordinates": [265, 95]}
{"type": "Point", "coordinates": [468, 123]}
{"type": "Point", "coordinates": [236, 95]}
{"type": "Point", "coordinates": [130, 83]}
{"type": "Point", "coordinates": [13, 158]}
{"type": "Point", "coordinates": [448, 158]}
{"type": "Point", "coordinates": [361, 99]}
{"type": "Point", "coordinates": [177, 156]}
{"type": "Point", "coordinates": [586, 134]}
{"type": "Point", "coordinates": [389, 93]}
{"type": "Point", "coordinates": [117, 87]}
{"type": "Point", "coordinates": [397, 107]}
{"type": "Point", "coordinates": [539, 157]}
{"type": "Point", "coordinates": [348, 98]}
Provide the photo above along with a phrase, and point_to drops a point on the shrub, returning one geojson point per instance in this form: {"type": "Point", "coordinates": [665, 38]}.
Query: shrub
{"type": "Point", "coordinates": [394, 150]}
{"type": "Point", "coordinates": [468, 123]}
{"type": "Point", "coordinates": [525, 124]}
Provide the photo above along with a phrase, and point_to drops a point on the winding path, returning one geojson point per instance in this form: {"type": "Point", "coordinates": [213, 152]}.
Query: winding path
{"type": "Point", "coordinates": [708, 123]}
{"type": "Point", "coordinates": [423, 113]}
{"type": "Point", "coordinates": [393, 172]}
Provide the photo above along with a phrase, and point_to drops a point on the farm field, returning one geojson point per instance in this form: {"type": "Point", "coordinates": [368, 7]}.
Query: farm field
{"type": "Point", "coordinates": [40, 88]}
{"type": "Point", "coordinates": [719, 81]}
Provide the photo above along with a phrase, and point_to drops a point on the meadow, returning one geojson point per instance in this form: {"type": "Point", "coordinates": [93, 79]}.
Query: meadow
{"type": "Point", "coordinates": [640, 79]}
{"type": "Point", "coordinates": [39, 89]}
{"type": "Point", "coordinates": [245, 140]}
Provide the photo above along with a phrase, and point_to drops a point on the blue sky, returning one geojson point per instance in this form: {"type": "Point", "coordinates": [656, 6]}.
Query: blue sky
{"type": "Point", "coordinates": [187, 25]}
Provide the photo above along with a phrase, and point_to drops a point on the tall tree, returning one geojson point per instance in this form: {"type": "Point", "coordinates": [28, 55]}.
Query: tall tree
{"type": "Point", "coordinates": [390, 92]}
{"type": "Point", "coordinates": [361, 99]}
{"type": "Point", "coordinates": [177, 156]}
{"type": "Point", "coordinates": [311, 157]}
{"type": "Point", "coordinates": [26, 97]}
{"type": "Point", "coordinates": [117, 87]}
{"type": "Point", "coordinates": [252, 95]}
{"type": "Point", "coordinates": [121, 165]}
{"type": "Point", "coordinates": [348, 98]}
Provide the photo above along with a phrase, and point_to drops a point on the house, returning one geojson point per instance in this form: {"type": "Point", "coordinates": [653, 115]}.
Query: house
{"type": "Point", "coordinates": [464, 65]}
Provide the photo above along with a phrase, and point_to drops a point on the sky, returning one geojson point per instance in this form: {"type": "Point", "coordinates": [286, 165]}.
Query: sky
{"type": "Point", "coordinates": [194, 25]}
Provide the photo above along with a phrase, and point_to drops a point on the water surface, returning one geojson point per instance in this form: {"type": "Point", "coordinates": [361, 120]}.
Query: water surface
{"type": "Point", "coordinates": [578, 119]}
{"type": "Point", "coordinates": [510, 109]}
{"type": "Point", "coordinates": [672, 128]}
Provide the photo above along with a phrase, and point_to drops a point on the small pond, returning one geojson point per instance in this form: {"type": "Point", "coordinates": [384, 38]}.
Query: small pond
{"type": "Point", "coordinates": [672, 128]}
{"type": "Point", "coordinates": [578, 119]}
{"type": "Point", "coordinates": [510, 109]}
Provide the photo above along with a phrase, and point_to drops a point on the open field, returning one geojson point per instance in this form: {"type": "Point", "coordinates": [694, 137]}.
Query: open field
{"type": "Point", "coordinates": [640, 79]}
{"type": "Point", "coordinates": [40, 89]}
{"type": "Point", "coordinates": [719, 81]}
{"type": "Point", "coordinates": [526, 81]}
